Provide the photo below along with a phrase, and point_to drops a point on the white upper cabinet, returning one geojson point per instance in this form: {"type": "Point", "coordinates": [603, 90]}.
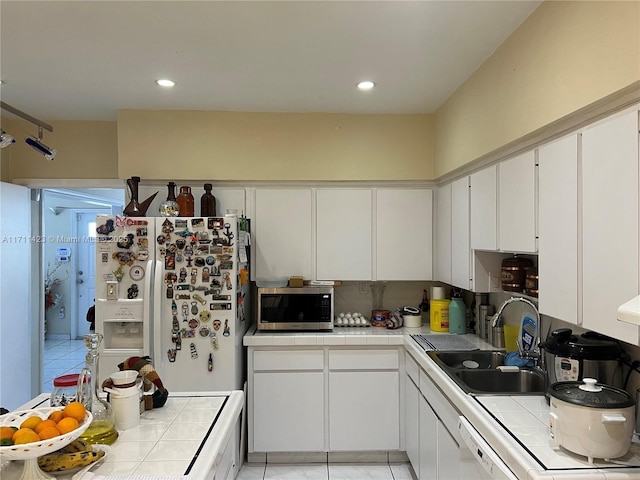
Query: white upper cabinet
{"type": "Point", "coordinates": [483, 213]}
{"type": "Point", "coordinates": [404, 234]}
{"type": "Point", "coordinates": [558, 229]}
{"type": "Point", "coordinates": [343, 234]}
{"type": "Point", "coordinates": [517, 203]}
{"type": "Point", "coordinates": [610, 220]}
{"type": "Point", "coordinates": [282, 228]}
{"type": "Point", "coordinates": [460, 259]}
{"type": "Point", "coordinates": [442, 256]}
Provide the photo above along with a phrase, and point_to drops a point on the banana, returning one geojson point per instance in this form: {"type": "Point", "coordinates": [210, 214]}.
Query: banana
{"type": "Point", "coordinates": [78, 445]}
{"type": "Point", "coordinates": [60, 462]}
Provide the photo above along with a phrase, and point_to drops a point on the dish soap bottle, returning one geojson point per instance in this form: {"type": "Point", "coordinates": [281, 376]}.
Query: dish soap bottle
{"type": "Point", "coordinates": [457, 314]}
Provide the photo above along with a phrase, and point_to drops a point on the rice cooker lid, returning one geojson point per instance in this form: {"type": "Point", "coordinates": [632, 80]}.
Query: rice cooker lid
{"type": "Point", "coordinates": [589, 393]}
{"type": "Point", "coordinates": [588, 346]}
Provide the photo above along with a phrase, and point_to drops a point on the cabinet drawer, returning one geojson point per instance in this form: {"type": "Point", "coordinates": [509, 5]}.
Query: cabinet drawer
{"type": "Point", "coordinates": [363, 360]}
{"type": "Point", "coordinates": [266, 360]}
{"type": "Point", "coordinates": [440, 404]}
{"type": "Point", "coordinates": [412, 369]}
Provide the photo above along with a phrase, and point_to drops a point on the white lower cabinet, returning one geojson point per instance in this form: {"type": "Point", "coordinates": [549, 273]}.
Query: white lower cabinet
{"type": "Point", "coordinates": [427, 469]}
{"type": "Point", "coordinates": [287, 401]}
{"type": "Point", "coordinates": [364, 411]}
{"type": "Point", "coordinates": [431, 419]}
{"type": "Point", "coordinates": [324, 399]}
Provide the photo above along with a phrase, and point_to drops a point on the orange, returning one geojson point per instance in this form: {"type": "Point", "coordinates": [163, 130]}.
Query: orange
{"type": "Point", "coordinates": [75, 410]}
{"type": "Point", "coordinates": [25, 435]}
{"type": "Point", "coordinates": [7, 432]}
{"type": "Point", "coordinates": [44, 424]}
{"type": "Point", "coordinates": [56, 415]}
{"type": "Point", "coordinates": [67, 424]}
{"type": "Point", "coordinates": [48, 432]}
{"type": "Point", "coordinates": [31, 422]}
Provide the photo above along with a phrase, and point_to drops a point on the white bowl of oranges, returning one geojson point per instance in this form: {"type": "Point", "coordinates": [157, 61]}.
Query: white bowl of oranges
{"type": "Point", "coordinates": [27, 434]}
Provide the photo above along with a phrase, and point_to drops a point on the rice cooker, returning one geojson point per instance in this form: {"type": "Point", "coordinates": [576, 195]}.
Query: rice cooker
{"type": "Point", "coordinates": [591, 419]}
{"type": "Point", "coordinates": [570, 357]}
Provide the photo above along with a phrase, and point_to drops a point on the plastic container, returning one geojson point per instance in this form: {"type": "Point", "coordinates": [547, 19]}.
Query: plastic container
{"type": "Point", "coordinates": [511, 337]}
{"type": "Point", "coordinates": [457, 316]}
{"type": "Point", "coordinates": [439, 319]}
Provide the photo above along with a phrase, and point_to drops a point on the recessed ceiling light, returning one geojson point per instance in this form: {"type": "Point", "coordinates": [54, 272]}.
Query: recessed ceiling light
{"type": "Point", "coordinates": [366, 85]}
{"type": "Point", "coordinates": [165, 82]}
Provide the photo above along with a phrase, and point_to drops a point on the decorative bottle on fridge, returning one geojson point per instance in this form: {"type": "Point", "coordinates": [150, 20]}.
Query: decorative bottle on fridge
{"type": "Point", "coordinates": [170, 207]}
{"type": "Point", "coordinates": [207, 202]}
{"type": "Point", "coordinates": [185, 202]}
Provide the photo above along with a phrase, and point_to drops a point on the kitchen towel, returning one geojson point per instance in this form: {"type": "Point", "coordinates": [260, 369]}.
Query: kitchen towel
{"type": "Point", "coordinates": [443, 342]}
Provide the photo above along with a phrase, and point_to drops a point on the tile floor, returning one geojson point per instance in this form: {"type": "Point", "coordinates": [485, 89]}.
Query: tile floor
{"type": "Point", "coordinates": [68, 356]}
{"type": "Point", "coordinates": [325, 472]}
{"type": "Point", "coordinates": [61, 357]}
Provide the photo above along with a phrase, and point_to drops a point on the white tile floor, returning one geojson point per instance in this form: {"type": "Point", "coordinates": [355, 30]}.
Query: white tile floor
{"type": "Point", "coordinates": [325, 472]}
{"type": "Point", "coordinates": [61, 357]}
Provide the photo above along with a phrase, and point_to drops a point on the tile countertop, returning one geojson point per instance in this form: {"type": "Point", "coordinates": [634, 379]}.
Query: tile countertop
{"type": "Point", "coordinates": [515, 426]}
{"type": "Point", "coordinates": [346, 336]}
{"type": "Point", "coordinates": [187, 435]}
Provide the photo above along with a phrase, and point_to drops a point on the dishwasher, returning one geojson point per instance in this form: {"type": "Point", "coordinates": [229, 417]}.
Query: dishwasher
{"type": "Point", "coordinates": [477, 458]}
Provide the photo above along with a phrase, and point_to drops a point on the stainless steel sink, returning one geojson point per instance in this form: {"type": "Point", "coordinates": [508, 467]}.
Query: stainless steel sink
{"type": "Point", "coordinates": [496, 381]}
{"type": "Point", "coordinates": [483, 359]}
{"type": "Point", "coordinates": [476, 372]}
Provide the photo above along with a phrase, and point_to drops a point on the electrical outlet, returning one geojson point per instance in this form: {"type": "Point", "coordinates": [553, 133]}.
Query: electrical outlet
{"type": "Point", "coordinates": [61, 313]}
{"type": "Point", "coordinates": [363, 287]}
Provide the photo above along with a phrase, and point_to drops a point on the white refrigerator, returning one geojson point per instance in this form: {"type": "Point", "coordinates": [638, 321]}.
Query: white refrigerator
{"type": "Point", "coordinates": [190, 280]}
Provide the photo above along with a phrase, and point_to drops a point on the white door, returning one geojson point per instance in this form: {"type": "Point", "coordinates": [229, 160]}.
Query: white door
{"type": "Point", "coordinates": [17, 351]}
{"type": "Point", "coordinates": [85, 269]}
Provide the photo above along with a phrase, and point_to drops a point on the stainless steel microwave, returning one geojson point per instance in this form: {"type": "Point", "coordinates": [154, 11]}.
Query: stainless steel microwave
{"type": "Point", "coordinates": [304, 308]}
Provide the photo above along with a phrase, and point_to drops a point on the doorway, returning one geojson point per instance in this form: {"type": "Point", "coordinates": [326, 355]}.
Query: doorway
{"type": "Point", "coordinates": [84, 269]}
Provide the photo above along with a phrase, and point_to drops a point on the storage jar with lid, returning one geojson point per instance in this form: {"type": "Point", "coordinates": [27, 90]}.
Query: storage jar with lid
{"type": "Point", "coordinates": [514, 272]}
{"type": "Point", "coordinates": [65, 389]}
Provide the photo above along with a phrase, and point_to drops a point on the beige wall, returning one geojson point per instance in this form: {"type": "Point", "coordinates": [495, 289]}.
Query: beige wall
{"type": "Point", "coordinates": [565, 56]}
{"type": "Point", "coordinates": [184, 145]}
{"type": "Point", "coordinates": [85, 150]}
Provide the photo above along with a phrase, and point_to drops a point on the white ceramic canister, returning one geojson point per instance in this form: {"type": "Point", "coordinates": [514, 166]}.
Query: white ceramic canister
{"type": "Point", "coordinates": [126, 406]}
{"type": "Point", "coordinates": [591, 419]}
{"type": "Point", "coordinates": [411, 317]}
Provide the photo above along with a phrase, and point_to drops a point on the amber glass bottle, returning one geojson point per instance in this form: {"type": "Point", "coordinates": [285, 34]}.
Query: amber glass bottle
{"type": "Point", "coordinates": [185, 202]}
{"type": "Point", "coordinates": [207, 202]}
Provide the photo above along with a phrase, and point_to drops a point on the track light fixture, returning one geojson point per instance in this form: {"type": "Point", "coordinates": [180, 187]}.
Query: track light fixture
{"type": "Point", "coordinates": [36, 143]}
{"type": "Point", "coordinates": [6, 139]}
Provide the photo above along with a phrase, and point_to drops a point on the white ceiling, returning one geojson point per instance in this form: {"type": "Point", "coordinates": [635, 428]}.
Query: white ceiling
{"type": "Point", "coordinates": [84, 60]}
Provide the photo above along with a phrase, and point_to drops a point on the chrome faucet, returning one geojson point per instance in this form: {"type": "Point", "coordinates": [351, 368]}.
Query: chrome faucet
{"type": "Point", "coordinates": [527, 354]}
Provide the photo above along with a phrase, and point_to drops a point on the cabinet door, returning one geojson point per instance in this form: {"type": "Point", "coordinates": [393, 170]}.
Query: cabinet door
{"type": "Point", "coordinates": [442, 257]}
{"type": "Point", "coordinates": [610, 224]}
{"type": "Point", "coordinates": [428, 442]}
{"type": "Point", "coordinates": [517, 203]}
{"type": "Point", "coordinates": [411, 422]}
{"type": "Point", "coordinates": [404, 234]}
{"type": "Point", "coordinates": [282, 233]}
{"type": "Point", "coordinates": [558, 229]}
{"type": "Point", "coordinates": [343, 234]}
{"type": "Point", "coordinates": [448, 455]}
{"type": "Point", "coordinates": [484, 209]}
{"type": "Point", "coordinates": [460, 264]}
{"type": "Point", "coordinates": [288, 411]}
{"type": "Point", "coordinates": [355, 403]}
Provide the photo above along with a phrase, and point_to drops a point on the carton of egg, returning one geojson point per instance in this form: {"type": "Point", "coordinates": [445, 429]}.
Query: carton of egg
{"type": "Point", "coordinates": [351, 320]}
